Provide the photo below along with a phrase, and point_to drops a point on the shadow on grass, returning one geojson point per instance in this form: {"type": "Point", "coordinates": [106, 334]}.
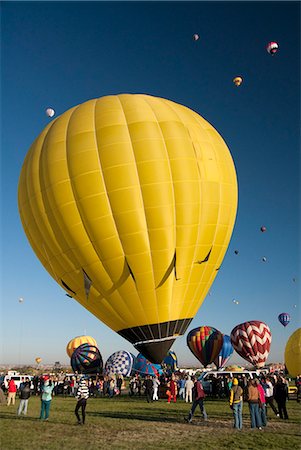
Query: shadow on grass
{"type": "Point", "coordinates": [7, 416]}
{"type": "Point", "coordinates": [198, 421]}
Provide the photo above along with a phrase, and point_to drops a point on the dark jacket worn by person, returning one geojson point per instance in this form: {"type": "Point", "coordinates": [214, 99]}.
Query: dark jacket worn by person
{"type": "Point", "coordinates": [25, 391]}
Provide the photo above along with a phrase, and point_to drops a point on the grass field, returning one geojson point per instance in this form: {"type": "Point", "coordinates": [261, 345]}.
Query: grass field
{"type": "Point", "coordinates": [132, 423]}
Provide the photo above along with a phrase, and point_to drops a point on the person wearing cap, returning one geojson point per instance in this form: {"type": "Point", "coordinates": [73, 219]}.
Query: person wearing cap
{"type": "Point", "coordinates": [236, 403]}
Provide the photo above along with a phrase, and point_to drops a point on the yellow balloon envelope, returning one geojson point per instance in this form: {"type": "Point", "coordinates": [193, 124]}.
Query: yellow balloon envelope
{"type": "Point", "coordinates": [77, 341]}
{"type": "Point", "coordinates": [129, 201]}
{"type": "Point", "coordinates": [38, 360]}
{"type": "Point", "coordinates": [293, 354]}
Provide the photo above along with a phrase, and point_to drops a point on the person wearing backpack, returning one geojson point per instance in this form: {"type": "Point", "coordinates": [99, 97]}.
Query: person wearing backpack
{"type": "Point", "coordinates": [235, 401]}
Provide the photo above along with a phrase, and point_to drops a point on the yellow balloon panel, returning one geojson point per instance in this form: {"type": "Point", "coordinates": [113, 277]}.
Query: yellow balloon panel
{"type": "Point", "coordinates": [129, 201]}
{"type": "Point", "coordinates": [77, 341]}
{"type": "Point", "coordinates": [293, 354]}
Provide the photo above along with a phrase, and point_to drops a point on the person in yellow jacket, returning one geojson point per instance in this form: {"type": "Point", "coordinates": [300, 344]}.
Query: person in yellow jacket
{"type": "Point", "coordinates": [236, 403]}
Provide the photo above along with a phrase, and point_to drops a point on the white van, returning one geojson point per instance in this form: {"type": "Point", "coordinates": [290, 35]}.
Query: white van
{"type": "Point", "coordinates": [18, 379]}
{"type": "Point", "coordinates": [208, 378]}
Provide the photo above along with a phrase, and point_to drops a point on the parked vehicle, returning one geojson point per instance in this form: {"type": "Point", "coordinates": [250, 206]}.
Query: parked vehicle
{"type": "Point", "coordinates": [217, 378]}
{"type": "Point", "coordinates": [18, 379]}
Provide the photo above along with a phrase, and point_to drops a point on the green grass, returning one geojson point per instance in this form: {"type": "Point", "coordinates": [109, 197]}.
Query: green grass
{"type": "Point", "coordinates": [125, 423]}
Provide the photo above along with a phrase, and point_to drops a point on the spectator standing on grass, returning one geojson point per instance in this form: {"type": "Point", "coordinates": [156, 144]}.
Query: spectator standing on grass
{"type": "Point", "coordinates": [280, 395]}
{"type": "Point", "coordinates": [236, 393]}
{"type": "Point", "coordinates": [47, 389]}
{"type": "Point", "coordinates": [269, 395]}
{"type": "Point", "coordinates": [156, 384]}
{"type": "Point", "coordinates": [198, 396]}
{"type": "Point", "coordinates": [24, 396]}
{"type": "Point", "coordinates": [148, 384]}
{"type": "Point", "coordinates": [182, 383]}
{"type": "Point", "coordinates": [82, 397]}
{"type": "Point", "coordinates": [2, 397]}
{"type": "Point", "coordinates": [262, 405]}
{"type": "Point", "coordinates": [119, 383]}
{"type": "Point", "coordinates": [254, 401]}
{"type": "Point", "coordinates": [298, 386]}
{"type": "Point", "coordinates": [172, 390]}
{"type": "Point", "coordinates": [12, 389]}
{"type": "Point", "coordinates": [188, 390]}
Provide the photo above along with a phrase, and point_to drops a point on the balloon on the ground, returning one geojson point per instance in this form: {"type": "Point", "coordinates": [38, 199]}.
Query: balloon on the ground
{"type": "Point", "coordinates": [170, 362]}
{"type": "Point", "coordinates": [237, 81]}
{"type": "Point", "coordinates": [50, 112]}
{"type": "Point", "coordinates": [77, 341]}
{"type": "Point", "coordinates": [87, 359]}
{"type": "Point", "coordinates": [144, 367]}
{"type": "Point", "coordinates": [205, 343]}
{"type": "Point", "coordinates": [252, 341]}
{"type": "Point", "coordinates": [225, 353]}
{"type": "Point", "coordinates": [120, 363]}
{"type": "Point", "coordinates": [129, 201]}
{"type": "Point", "coordinates": [292, 355]}
{"type": "Point", "coordinates": [196, 37]}
{"type": "Point", "coordinates": [263, 229]}
{"type": "Point", "coordinates": [234, 368]}
{"type": "Point", "coordinates": [284, 319]}
{"type": "Point", "coordinates": [272, 47]}
{"type": "Point", "coordinates": [38, 360]}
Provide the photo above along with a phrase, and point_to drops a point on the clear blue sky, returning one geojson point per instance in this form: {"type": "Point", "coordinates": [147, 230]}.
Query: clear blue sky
{"type": "Point", "coordinates": [61, 54]}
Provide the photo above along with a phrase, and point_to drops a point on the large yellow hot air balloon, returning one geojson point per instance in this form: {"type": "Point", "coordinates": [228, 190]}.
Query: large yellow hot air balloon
{"type": "Point", "coordinates": [129, 201]}
{"type": "Point", "coordinates": [292, 354]}
{"type": "Point", "coordinates": [77, 341]}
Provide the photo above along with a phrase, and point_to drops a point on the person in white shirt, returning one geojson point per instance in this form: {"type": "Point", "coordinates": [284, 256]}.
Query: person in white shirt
{"type": "Point", "coordinates": [156, 384]}
{"type": "Point", "coordinates": [188, 390]}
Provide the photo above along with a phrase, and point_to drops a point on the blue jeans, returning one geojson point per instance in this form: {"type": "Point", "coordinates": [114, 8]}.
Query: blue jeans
{"type": "Point", "coordinates": [255, 416]}
{"type": "Point", "coordinates": [237, 413]}
{"type": "Point", "coordinates": [23, 407]}
{"type": "Point", "coordinates": [45, 408]}
{"type": "Point", "coordinates": [199, 402]}
{"type": "Point", "coordinates": [263, 414]}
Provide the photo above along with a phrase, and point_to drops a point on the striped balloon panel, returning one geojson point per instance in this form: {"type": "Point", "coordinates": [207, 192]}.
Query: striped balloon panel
{"type": "Point", "coordinates": [86, 359]}
{"type": "Point", "coordinates": [284, 319]}
{"type": "Point", "coordinates": [144, 367]}
{"type": "Point", "coordinates": [252, 341]}
{"type": "Point", "coordinates": [77, 341]}
{"type": "Point", "coordinates": [205, 343]}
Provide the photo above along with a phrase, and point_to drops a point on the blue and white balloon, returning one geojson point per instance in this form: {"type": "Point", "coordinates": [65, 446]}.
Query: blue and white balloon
{"type": "Point", "coordinates": [120, 363]}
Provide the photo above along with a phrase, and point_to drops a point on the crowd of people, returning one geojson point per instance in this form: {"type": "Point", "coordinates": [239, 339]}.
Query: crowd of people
{"type": "Point", "coordinates": [259, 393]}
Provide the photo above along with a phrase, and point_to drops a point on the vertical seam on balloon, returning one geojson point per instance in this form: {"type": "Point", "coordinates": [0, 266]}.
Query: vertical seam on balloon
{"type": "Point", "coordinates": [200, 212]}
{"type": "Point", "coordinates": [101, 293]}
{"type": "Point", "coordinates": [46, 200]}
{"type": "Point", "coordinates": [26, 176]}
{"type": "Point", "coordinates": [129, 134]}
{"type": "Point", "coordinates": [74, 193]}
{"type": "Point", "coordinates": [109, 205]}
{"type": "Point", "coordinates": [174, 201]}
{"type": "Point", "coordinates": [92, 308]}
{"type": "Point", "coordinates": [219, 210]}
